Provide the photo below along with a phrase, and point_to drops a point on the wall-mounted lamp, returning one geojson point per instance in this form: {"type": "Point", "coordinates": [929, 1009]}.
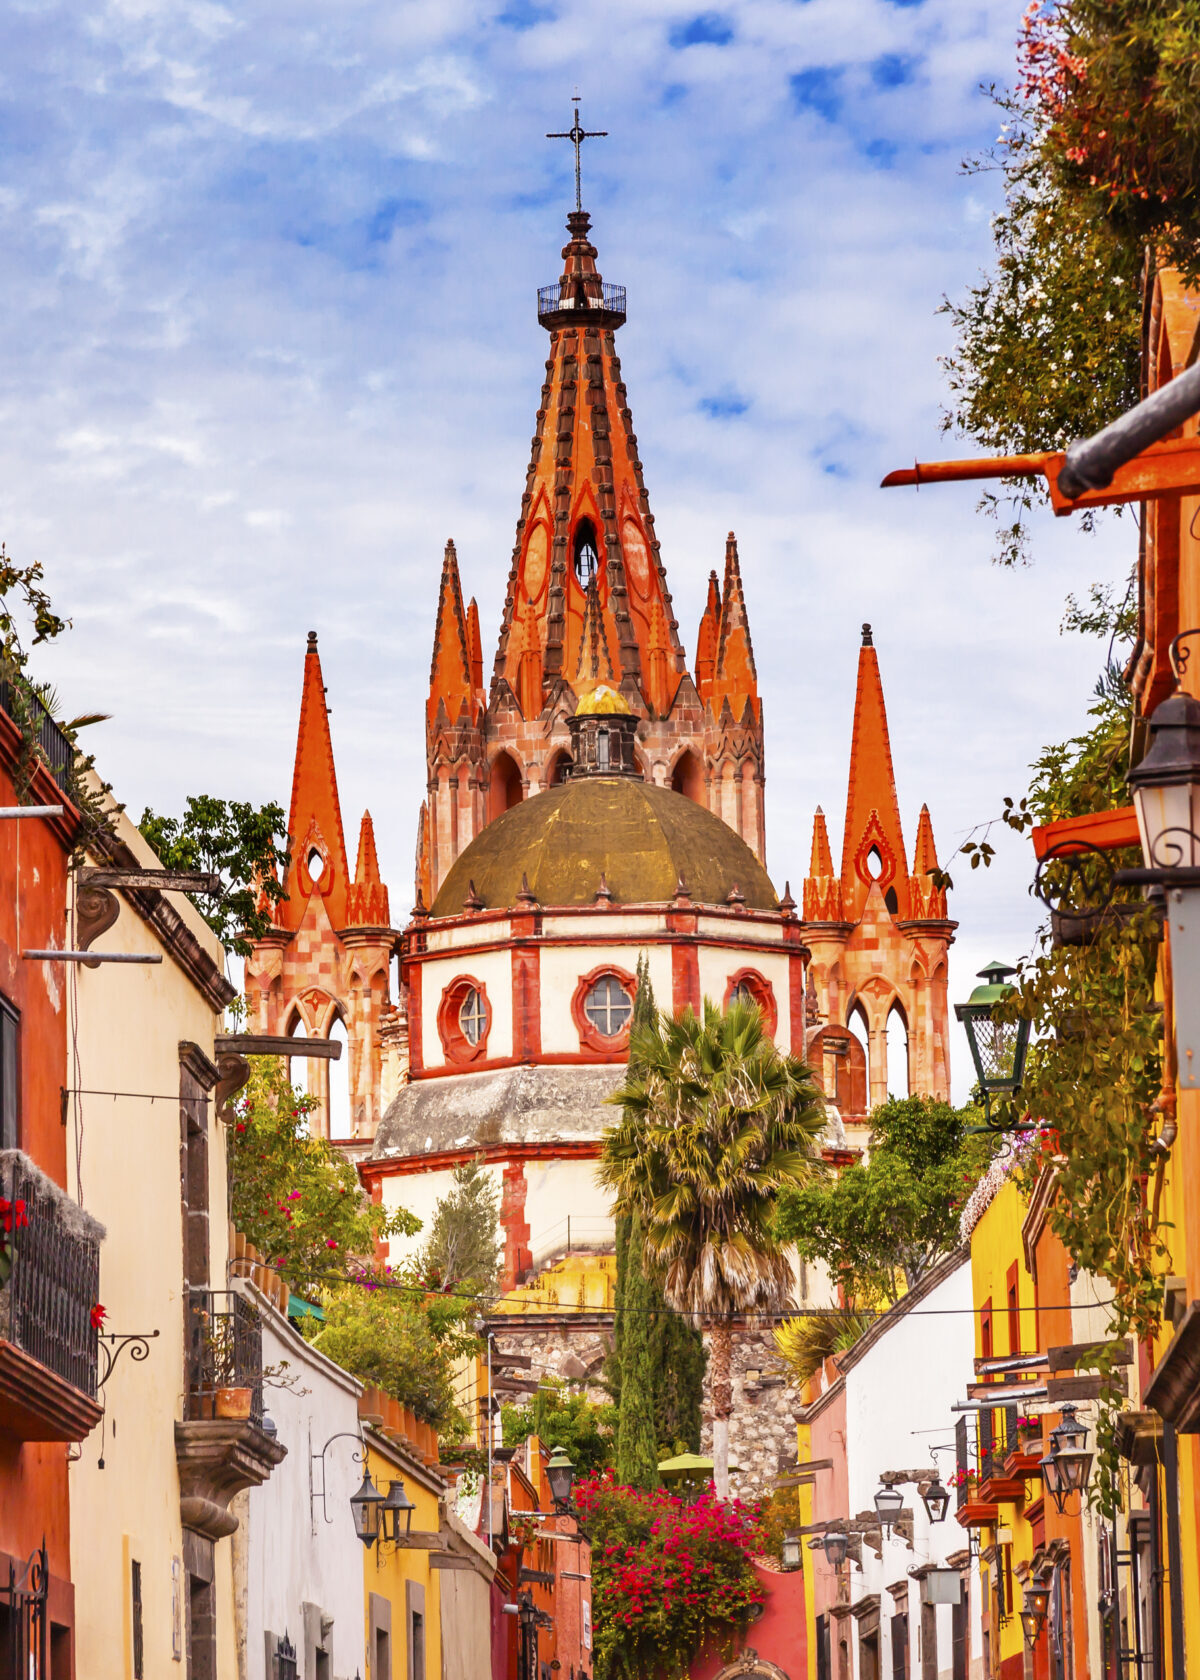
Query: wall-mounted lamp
{"type": "Point", "coordinates": [1035, 1610]}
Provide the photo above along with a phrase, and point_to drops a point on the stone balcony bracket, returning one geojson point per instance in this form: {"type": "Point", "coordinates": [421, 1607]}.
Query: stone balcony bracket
{"type": "Point", "coordinates": [217, 1458]}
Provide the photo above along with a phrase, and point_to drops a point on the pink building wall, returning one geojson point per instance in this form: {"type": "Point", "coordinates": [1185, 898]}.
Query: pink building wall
{"type": "Point", "coordinates": [779, 1634]}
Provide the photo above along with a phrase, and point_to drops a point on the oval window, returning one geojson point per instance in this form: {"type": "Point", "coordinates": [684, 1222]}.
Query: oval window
{"type": "Point", "coordinates": [316, 865]}
{"type": "Point", "coordinates": [608, 1006]}
{"type": "Point", "coordinates": [472, 1016]}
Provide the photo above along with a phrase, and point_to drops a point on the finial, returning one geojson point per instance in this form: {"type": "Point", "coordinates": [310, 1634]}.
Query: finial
{"type": "Point", "coordinates": [867, 640]}
{"type": "Point", "coordinates": [526, 894]}
{"type": "Point", "coordinates": [472, 900]}
{"type": "Point", "coordinates": [577, 134]}
{"type": "Point", "coordinates": [787, 903]}
{"type": "Point", "coordinates": [682, 895]}
{"type": "Point", "coordinates": [419, 912]}
{"type": "Point", "coordinates": [735, 896]}
{"type": "Point", "coordinates": [312, 638]}
{"type": "Point", "coordinates": [603, 891]}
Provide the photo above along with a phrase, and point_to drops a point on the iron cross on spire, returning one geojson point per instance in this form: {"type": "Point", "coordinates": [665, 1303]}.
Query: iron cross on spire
{"type": "Point", "coordinates": [578, 134]}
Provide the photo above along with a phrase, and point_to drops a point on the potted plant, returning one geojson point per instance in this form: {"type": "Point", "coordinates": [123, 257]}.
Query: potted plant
{"type": "Point", "coordinates": [232, 1402]}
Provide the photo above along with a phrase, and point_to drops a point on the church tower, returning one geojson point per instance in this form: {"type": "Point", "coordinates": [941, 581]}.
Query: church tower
{"type": "Point", "coordinates": [585, 521]}
{"type": "Point", "coordinates": [878, 932]}
{"type": "Point", "coordinates": [323, 969]}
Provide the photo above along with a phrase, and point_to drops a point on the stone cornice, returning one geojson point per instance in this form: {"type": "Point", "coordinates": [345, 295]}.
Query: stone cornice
{"type": "Point", "coordinates": [217, 1458]}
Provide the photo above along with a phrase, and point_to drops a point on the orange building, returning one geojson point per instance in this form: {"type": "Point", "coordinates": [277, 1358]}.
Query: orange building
{"type": "Point", "coordinates": [49, 1269]}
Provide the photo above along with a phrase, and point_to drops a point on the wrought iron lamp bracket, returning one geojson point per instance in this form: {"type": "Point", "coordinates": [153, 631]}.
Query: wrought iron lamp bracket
{"type": "Point", "coordinates": [1178, 654]}
{"type": "Point", "coordinates": [315, 1492]}
{"type": "Point", "coordinates": [113, 1345]}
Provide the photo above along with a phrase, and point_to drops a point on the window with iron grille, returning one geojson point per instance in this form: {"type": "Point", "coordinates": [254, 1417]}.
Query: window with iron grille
{"type": "Point", "coordinates": [286, 1667]}
{"type": "Point", "coordinates": [10, 1087]}
{"type": "Point", "coordinates": [135, 1589]}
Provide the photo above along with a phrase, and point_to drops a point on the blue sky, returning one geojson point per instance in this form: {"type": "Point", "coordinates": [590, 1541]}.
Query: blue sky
{"type": "Point", "coordinates": [268, 338]}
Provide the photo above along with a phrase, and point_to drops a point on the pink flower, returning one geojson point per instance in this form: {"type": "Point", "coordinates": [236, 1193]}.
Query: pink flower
{"type": "Point", "coordinates": [330, 1243]}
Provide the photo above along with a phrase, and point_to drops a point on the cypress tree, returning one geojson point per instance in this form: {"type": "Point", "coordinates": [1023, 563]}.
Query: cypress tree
{"type": "Point", "coordinates": [637, 1437]}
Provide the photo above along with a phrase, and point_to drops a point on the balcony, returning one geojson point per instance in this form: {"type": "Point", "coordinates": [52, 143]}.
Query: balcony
{"type": "Point", "coordinates": [55, 749]}
{"type": "Point", "coordinates": [48, 1345]}
{"type": "Point", "coordinates": [610, 303]}
{"type": "Point", "coordinates": [221, 1446]}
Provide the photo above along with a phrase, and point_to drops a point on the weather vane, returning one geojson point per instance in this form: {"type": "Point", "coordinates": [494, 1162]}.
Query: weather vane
{"type": "Point", "coordinates": [577, 134]}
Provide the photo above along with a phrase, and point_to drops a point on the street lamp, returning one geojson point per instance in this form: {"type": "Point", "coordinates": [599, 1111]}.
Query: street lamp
{"type": "Point", "coordinates": [1067, 1465]}
{"type": "Point", "coordinates": [889, 1502]}
{"type": "Point", "coordinates": [936, 1500]}
{"type": "Point", "coordinates": [1166, 785]}
{"type": "Point", "coordinates": [1034, 1611]}
{"type": "Point", "coordinates": [365, 1508]}
{"type": "Point", "coordinates": [396, 1507]}
{"type": "Point", "coordinates": [997, 1047]}
{"type": "Point", "coordinates": [560, 1473]}
{"type": "Point", "coordinates": [790, 1553]}
{"type": "Point", "coordinates": [835, 1543]}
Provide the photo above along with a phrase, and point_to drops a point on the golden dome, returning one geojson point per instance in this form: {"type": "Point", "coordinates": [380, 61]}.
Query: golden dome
{"type": "Point", "coordinates": [602, 700]}
{"type": "Point", "coordinates": [641, 838]}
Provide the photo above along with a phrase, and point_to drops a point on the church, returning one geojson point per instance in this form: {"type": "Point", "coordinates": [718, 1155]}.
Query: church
{"type": "Point", "coordinates": [594, 801]}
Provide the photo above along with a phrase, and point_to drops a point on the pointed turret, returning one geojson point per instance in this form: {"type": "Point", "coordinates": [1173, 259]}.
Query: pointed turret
{"type": "Point", "coordinates": [367, 900]}
{"type": "Point", "coordinates": [529, 670]}
{"type": "Point", "coordinates": [475, 648]}
{"type": "Point", "coordinates": [822, 889]}
{"type": "Point", "coordinates": [707, 639]}
{"type": "Point", "coordinates": [873, 842]}
{"type": "Point", "coordinates": [661, 681]}
{"type": "Point", "coordinates": [318, 846]}
{"type": "Point", "coordinates": [450, 671]}
{"type": "Point", "coordinates": [594, 666]}
{"type": "Point", "coordinates": [927, 901]}
{"type": "Point", "coordinates": [735, 678]}
{"type": "Point", "coordinates": [585, 510]}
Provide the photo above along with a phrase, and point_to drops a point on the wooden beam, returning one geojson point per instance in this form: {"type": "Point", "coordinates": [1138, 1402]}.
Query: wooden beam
{"type": "Point", "coordinates": [1107, 831]}
{"type": "Point", "coordinates": [273, 1044]}
{"type": "Point", "coordinates": [1163, 469]}
{"type": "Point", "coordinates": [165, 880]}
{"type": "Point", "coordinates": [1069, 1357]}
{"type": "Point", "coordinates": [1061, 1389]}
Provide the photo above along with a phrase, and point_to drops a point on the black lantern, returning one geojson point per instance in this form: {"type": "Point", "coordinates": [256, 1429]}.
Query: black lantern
{"type": "Point", "coordinates": [936, 1500]}
{"type": "Point", "coordinates": [560, 1473]}
{"type": "Point", "coordinates": [790, 1553]}
{"type": "Point", "coordinates": [889, 1502]}
{"type": "Point", "coordinates": [1072, 1460]}
{"type": "Point", "coordinates": [835, 1544]}
{"type": "Point", "coordinates": [1166, 786]}
{"type": "Point", "coordinates": [997, 1047]}
{"type": "Point", "coordinates": [365, 1507]}
{"type": "Point", "coordinates": [396, 1513]}
{"type": "Point", "coordinates": [1034, 1611]}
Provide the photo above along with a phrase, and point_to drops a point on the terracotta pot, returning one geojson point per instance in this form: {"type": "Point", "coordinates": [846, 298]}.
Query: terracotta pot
{"type": "Point", "coordinates": [233, 1402]}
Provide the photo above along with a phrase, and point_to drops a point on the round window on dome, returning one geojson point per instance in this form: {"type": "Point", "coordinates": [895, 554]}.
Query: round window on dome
{"type": "Point", "coordinates": [608, 1006]}
{"type": "Point", "coordinates": [472, 1016]}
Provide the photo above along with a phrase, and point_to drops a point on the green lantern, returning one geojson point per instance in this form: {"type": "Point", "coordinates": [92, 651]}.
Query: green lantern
{"type": "Point", "coordinates": [997, 1047]}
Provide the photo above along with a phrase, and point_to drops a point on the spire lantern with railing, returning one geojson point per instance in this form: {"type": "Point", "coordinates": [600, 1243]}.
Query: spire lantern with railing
{"type": "Point", "coordinates": [581, 287]}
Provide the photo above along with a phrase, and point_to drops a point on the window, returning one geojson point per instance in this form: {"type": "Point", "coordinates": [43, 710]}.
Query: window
{"type": "Point", "coordinates": [985, 1329]}
{"type": "Point", "coordinates": [587, 561]}
{"type": "Point", "coordinates": [472, 1016]}
{"type": "Point", "coordinates": [10, 1085]}
{"type": "Point", "coordinates": [608, 1006]}
{"type": "Point", "coordinates": [1014, 1310]}
{"type": "Point", "coordinates": [286, 1666]}
{"type": "Point", "coordinates": [748, 986]}
{"type": "Point", "coordinates": [418, 1646]}
{"type": "Point", "coordinates": [603, 761]}
{"type": "Point", "coordinates": [900, 1646]}
{"type": "Point", "coordinates": [135, 1587]}
{"type": "Point", "coordinates": [316, 865]}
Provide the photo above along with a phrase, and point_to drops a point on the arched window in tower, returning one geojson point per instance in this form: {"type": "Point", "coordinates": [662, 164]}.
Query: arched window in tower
{"type": "Point", "coordinates": [316, 865]}
{"type": "Point", "coordinates": [558, 769]}
{"type": "Point", "coordinates": [858, 1083]}
{"type": "Point", "coordinates": [874, 863]}
{"type": "Point", "coordinates": [338, 1112]}
{"type": "Point", "coordinates": [602, 758]}
{"type": "Point", "coordinates": [897, 1052]}
{"type": "Point", "coordinates": [506, 787]}
{"type": "Point", "coordinates": [298, 1066]}
{"type": "Point", "coordinates": [687, 778]}
{"type": "Point", "coordinates": [892, 902]}
{"type": "Point", "coordinates": [587, 560]}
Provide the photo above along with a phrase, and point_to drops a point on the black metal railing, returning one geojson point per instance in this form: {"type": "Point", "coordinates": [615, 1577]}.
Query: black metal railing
{"type": "Point", "coordinates": [25, 1630]}
{"type": "Point", "coordinates": [46, 1306]}
{"type": "Point", "coordinates": [551, 299]}
{"type": "Point", "coordinates": [962, 1463]}
{"type": "Point", "coordinates": [224, 1352]}
{"type": "Point", "coordinates": [53, 745]}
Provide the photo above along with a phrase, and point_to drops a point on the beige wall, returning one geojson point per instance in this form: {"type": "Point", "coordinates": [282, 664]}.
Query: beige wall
{"type": "Point", "coordinates": [125, 1158]}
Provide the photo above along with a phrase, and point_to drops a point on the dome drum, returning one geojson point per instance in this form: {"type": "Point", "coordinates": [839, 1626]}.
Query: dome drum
{"type": "Point", "coordinates": [602, 744]}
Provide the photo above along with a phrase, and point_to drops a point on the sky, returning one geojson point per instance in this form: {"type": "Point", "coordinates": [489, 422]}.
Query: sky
{"type": "Point", "coordinates": [268, 338]}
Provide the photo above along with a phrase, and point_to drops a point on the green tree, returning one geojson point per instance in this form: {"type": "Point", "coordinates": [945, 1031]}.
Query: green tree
{"type": "Point", "coordinates": [463, 1249]}
{"type": "Point", "coordinates": [294, 1196]}
{"type": "Point", "coordinates": [246, 845]}
{"type": "Point", "coordinates": [716, 1124]}
{"type": "Point", "coordinates": [880, 1224]}
{"type": "Point", "coordinates": [561, 1419]}
{"type": "Point", "coordinates": [637, 1443]}
{"type": "Point", "coordinates": [387, 1335]}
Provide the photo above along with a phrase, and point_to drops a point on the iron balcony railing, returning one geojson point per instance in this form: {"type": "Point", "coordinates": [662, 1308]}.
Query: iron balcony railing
{"type": "Point", "coordinates": [551, 300]}
{"type": "Point", "coordinates": [224, 1352]}
{"type": "Point", "coordinates": [46, 1305]}
{"type": "Point", "coordinates": [53, 745]}
{"type": "Point", "coordinates": [982, 1444]}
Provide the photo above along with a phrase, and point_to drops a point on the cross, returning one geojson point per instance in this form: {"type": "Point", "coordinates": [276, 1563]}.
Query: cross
{"type": "Point", "coordinates": [577, 134]}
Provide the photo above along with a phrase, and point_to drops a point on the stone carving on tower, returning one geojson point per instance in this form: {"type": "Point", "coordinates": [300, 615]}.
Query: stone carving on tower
{"type": "Point", "coordinates": [327, 959]}
{"type": "Point", "coordinates": [585, 521]}
{"type": "Point", "coordinates": [878, 932]}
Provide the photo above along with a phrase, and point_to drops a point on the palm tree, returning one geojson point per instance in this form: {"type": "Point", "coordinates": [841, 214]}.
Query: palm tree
{"type": "Point", "coordinates": [716, 1123]}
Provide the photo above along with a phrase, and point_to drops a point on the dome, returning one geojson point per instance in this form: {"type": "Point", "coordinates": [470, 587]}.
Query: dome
{"type": "Point", "coordinates": [603, 700]}
{"type": "Point", "coordinates": [641, 838]}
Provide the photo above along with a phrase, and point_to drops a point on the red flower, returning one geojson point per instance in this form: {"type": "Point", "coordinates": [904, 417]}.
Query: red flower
{"type": "Point", "coordinates": [97, 1316]}
{"type": "Point", "coordinates": [330, 1243]}
{"type": "Point", "coordinates": [240, 1127]}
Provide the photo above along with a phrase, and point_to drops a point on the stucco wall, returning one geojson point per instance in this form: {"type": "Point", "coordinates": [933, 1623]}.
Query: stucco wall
{"type": "Point", "coordinates": [131, 1020]}
{"type": "Point", "coordinates": [295, 1548]}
